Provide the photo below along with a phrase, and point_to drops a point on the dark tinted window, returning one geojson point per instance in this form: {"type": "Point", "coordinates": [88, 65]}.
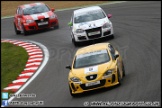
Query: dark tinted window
{"type": "Point", "coordinates": [112, 51]}
{"type": "Point", "coordinates": [91, 58]}
{"type": "Point", "coordinates": [89, 16]}
{"type": "Point", "coordinates": [36, 9]}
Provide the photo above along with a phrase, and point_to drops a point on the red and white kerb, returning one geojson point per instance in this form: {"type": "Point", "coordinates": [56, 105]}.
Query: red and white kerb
{"type": "Point", "coordinates": [34, 61]}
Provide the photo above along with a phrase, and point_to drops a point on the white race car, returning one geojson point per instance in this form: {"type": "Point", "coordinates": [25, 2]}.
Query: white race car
{"type": "Point", "coordinates": [90, 23]}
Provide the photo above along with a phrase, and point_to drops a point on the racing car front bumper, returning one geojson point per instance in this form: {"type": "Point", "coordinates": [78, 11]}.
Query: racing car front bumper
{"type": "Point", "coordinates": [37, 24]}
{"type": "Point", "coordinates": [91, 34]}
{"type": "Point", "coordinates": [103, 82]}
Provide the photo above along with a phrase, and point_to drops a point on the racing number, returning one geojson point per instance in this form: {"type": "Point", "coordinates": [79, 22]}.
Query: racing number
{"type": "Point", "coordinates": [90, 69]}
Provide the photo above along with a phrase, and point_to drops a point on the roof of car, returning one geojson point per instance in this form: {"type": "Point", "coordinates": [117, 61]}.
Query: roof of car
{"type": "Point", "coordinates": [30, 5]}
{"type": "Point", "coordinates": [87, 9]}
{"type": "Point", "coordinates": [92, 48]}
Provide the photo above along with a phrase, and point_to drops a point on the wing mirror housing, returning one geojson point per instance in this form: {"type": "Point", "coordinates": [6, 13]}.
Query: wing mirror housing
{"type": "Point", "coordinates": [116, 56]}
{"type": "Point", "coordinates": [52, 9]}
{"type": "Point", "coordinates": [70, 24]}
{"type": "Point", "coordinates": [68, 67]}
{"type": "Point", "coordinates": [109, 15]}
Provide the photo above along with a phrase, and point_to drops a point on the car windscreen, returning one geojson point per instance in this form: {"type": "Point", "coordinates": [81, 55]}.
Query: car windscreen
{"type": "Point", "coordinates": [89, 16]}
{"type": "Point", "coordinates": [91, 58]}
{"type": "Point", "coordinates": [35, 9]}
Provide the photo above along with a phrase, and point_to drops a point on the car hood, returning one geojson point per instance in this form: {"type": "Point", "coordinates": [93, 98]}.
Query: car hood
{"type": "Point", "coordinates": [91, 24]}
{"type": "Point", "coordinates": [38, 16]}
{"type": "Point", "coordinates": [97, 69]}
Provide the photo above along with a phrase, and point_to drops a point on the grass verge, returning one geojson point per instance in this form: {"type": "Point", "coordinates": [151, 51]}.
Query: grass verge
{"type": "Point", "coordinates": [8, 8]}
{"type": "Point", "coordinates": [13, 61]}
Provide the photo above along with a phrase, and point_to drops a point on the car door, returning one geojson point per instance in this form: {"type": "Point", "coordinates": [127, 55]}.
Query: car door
{"type": "Point", "coordinates": [18, 18]}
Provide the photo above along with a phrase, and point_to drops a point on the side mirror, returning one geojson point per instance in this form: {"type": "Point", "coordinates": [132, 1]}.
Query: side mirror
{"type": "Point", "coordinates": [109, 15]}
{"type": "Point", "coordinates": [52, 9]}
{"type": "Point", "coordinates": [116, 56]}
{"type": "Point", "coordinates": [68, 67]}
{"type": "Point", "coordinates": [70, 24]}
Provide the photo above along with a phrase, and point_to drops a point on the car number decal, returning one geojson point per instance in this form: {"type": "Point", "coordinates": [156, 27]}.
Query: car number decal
{"type": "Point", "coordinates": [91, 69]}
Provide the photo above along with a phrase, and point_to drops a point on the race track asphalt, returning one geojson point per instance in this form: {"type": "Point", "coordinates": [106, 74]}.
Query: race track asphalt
{"type": "Point", "coordinates": [137, 27]}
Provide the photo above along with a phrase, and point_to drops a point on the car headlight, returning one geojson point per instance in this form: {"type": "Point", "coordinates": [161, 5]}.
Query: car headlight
{"type": "Point", "coordinates": [106, 25]}
{"type": "Point", "coordinates": [108, 72]}
{"type": "Point", "coordinates": [29, 21]}
{"type": "Point", "coordinates": [75, 79]}
{"type": "Point", "coordinates": [52, 16]}
{"type": "Point", "coordinates": [79, 31]}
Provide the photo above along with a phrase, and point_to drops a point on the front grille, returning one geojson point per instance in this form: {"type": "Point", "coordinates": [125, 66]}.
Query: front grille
{"type": "Point", "coordinates": [91, 77]}
{"type": "Point", "coordinates": [44, 20]}
{"type": "Point", "coordinates": [94, 30]}
{"type": "Point", "coordinates": [102, 82]}
{"type": "Point", "coordinates": [43, 26]}
{"type": "Point", "coordinates": [82, 38]}
{"type": "Point", "coordinates": [31, 27]}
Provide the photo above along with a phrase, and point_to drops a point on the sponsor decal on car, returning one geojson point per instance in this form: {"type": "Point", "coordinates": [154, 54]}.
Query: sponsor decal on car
{"type": "Point", "coordinates": [91, 69]}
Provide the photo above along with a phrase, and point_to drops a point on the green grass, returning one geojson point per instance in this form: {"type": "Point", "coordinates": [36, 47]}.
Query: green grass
{"type": "Point", "coordinates": [13, 61]}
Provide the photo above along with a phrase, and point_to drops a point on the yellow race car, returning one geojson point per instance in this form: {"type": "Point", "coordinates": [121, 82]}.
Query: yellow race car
{"type": "Point", "coordinates": [95, 66]}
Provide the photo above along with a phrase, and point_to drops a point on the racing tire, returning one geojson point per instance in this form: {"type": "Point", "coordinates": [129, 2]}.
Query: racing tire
{"type": "Point", "coordinates": [74, 42]}
{"type": "Point", "coordinates": [112, 36]}
{"type": "Point", "coordinates": [73, 95]}
{"type": "Point", "coordinates": [24, 31]}
{"type": "Point", "coordinates": [123, 69]}
{"type": "Point", "coordinates": [16, 31]}
{"type": "Point", "coordinates": [119, 77]}
{"type": "Point", "coordinates": [56, 27]}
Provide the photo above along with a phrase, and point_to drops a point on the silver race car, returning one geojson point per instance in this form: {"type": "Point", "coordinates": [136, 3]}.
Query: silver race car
{"type": "Point", "coordinates": [90, 23]}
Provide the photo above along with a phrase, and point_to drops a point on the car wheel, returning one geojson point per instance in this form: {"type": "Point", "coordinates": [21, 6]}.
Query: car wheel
{"type": "Point", "coordinates": [24, 31]}
{"type": "Point", "coordinates": [73, 95]}
{"type": "Point", "coordinates": [56, 27]}
{"type": "Point", "coordinates": [112, 36]}
{"type": "Point", "coordinates": [123, 69]}
{"type": "Point", "coordinates": [74, 42]}
{"type": "Point", "coordinates": [16, 31]}
{"type": "Point", "coordinates": [119, 77]}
